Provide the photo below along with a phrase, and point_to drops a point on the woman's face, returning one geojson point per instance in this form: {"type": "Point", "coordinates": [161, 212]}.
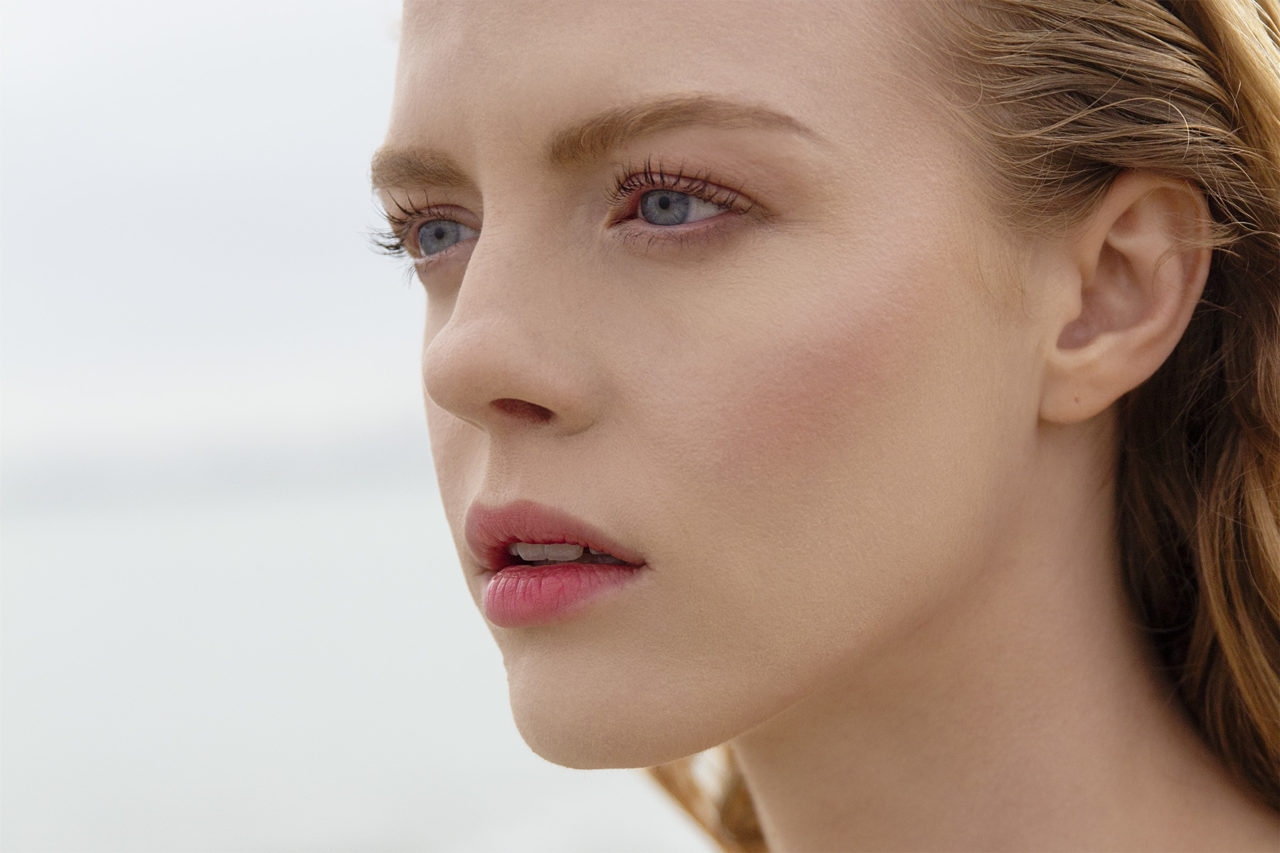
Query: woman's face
{"type": "Point", "coordinates": [794, 377]}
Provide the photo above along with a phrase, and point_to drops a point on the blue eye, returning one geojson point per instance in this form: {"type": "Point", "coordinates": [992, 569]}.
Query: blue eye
{"type": "Point", "coordinates": [669, 207]}
{"type": "Point", "coordinates": [440, 234]}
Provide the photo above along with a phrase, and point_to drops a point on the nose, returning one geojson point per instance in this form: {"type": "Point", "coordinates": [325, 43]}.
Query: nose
{"type": "Point", "coordinates": [510, 354]}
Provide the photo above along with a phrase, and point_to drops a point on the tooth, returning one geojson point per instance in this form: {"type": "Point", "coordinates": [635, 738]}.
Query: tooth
{"type": "Point", "coordinates": [530, 551]}
{"type": "Point", "coordinates": [562, 553]}
{"type": "Point", "coordinates": [594, 551]}
{"type": "Point", "coordinates": [513, 549]}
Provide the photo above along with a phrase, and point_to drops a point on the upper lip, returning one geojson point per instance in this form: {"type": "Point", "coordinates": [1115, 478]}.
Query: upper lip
{"type": "Point", "coordinates": [490, 529]}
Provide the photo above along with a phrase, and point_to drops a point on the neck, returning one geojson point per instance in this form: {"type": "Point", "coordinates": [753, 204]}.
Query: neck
{"type": "Point", "coordinates": [1026, 715]}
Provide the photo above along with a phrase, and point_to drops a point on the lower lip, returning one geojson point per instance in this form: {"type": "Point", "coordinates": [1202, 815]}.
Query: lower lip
{"type": "Point", "coordinates": [521, 596]}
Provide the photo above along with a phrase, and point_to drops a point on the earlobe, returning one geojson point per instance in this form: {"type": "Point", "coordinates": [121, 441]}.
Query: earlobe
{"type": "Point", "coordinates": [1137, 268]}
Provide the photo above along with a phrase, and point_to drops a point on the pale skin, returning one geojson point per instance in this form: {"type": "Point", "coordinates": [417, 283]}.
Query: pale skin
{"type": "Point", "coordinates": [862, 433]}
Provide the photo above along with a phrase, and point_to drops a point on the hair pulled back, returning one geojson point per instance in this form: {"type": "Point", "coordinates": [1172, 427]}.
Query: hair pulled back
{"type": "Point", "coordinates": [1059, 97]}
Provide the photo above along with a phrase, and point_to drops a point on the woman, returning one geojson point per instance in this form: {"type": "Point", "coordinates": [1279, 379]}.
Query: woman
{"type": "Point", "coordinates": [887, 392]}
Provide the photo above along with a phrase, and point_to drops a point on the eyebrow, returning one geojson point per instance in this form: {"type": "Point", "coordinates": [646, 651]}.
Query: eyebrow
{"type": "Point", "coordinates": [414, 167]}
{"type": "Point", "coordinates": [605, 131]}
{"type": "Point", "coordinates": [591, 139]}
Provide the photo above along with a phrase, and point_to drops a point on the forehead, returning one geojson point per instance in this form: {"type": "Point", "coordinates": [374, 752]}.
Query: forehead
{"type": "Point", "coordinates": [512, 69]}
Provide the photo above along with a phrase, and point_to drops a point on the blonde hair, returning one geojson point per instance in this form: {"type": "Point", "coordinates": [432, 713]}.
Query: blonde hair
{"type": "Point", "coordinates": [1061, 96]}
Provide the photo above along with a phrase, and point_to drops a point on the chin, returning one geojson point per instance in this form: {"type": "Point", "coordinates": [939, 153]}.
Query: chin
{"type": "Point", "coordinates": [590, 730]}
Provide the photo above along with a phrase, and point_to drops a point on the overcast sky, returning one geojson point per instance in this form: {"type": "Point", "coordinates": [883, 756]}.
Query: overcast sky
{"type": "Point", "coordinates": [185, 200]}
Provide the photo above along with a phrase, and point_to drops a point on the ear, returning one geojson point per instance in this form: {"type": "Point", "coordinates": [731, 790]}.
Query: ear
{"type": "Point", "coordinates": [1135, 270]}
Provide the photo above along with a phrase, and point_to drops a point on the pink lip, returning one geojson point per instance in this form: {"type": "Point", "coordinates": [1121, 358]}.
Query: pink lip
{"type": "Point", "coordinates": [517, 595]}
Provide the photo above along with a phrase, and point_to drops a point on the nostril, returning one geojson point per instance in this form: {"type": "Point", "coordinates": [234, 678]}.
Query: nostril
{"type": "Point", "coordinates": [523, 410]}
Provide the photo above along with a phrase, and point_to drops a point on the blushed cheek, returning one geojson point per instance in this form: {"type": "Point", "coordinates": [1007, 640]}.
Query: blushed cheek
{"type": "Point", "coordinates": [825, 382]}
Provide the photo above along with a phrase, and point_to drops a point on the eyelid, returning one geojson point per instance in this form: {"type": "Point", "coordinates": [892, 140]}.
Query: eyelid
{"type": "Point", "coordinates": [640, 236]}
{"type": "Point", "coordinates": [402, 224]}
{"type": "Point", "coordinates": [631, 183]}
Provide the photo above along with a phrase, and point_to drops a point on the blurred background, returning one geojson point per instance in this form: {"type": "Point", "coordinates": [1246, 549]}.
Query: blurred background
{"type": "Point", "coordinates": [232, 615]}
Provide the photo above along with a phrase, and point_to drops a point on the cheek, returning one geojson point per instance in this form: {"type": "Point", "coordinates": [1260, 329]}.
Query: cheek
{"type": "Point", "coordinates": [844, 450]}
{"type": "Point", "coordinates": [781, 400]}
{"type": "Point", "coordinates": [805, 392]}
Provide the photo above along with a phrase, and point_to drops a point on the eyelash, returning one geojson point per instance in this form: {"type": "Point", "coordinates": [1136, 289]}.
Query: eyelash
{"type": "Point", "coordinates": [630, 183]}
{"type": "Point", "coordinates": [390, 241]}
